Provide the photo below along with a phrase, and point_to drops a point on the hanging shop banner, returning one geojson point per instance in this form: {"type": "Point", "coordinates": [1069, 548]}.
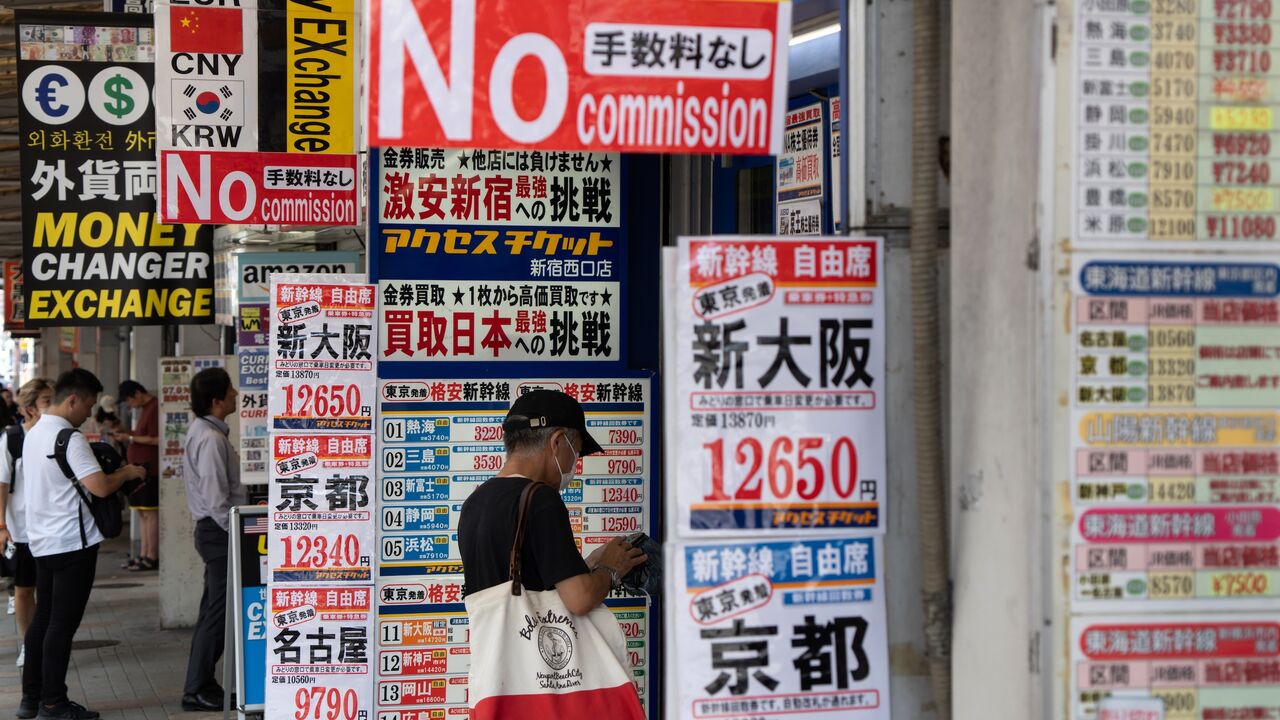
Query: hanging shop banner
{"type": "Point", "coordinates": [259, 188]}
{"type": "Point", "coordinates": [800, 217]}
{"type": "Point", "coordinates": [319, 661]}
{"type": "Point", "coordinates": [323, 77]}
{"type": "Point", "coordinates": [15, 302]}
{"type": "Point", "coordinates": [656, 76]}
{"type": "Point", "coordinates": [525, 251]}
{"type": "Point", "coordinates": [206, 75]}
{"type": "Point", "coordinates": [175, 408]}
{"type": "Point", "coordinates": [321, 516]}
{"type": "Point", "coordinates": [778, 420]}
{"type": "Point", "coordinates": [1200, 666]}
{"type": "Point", "coordinates": [799, 169]}
{"type": "Point", "coordinates": [836, 199]}
{"type": "Point", "coordinates": [322, 366]}
{"type": "Point", "coordinates": [440, 439]}
{"type": "Point", "coordinates": [254, 363]}
{"type": "Point", "coordinates": [94, 250]}
{"type": "Point", "coordinates": [1176, 461]}
{"type": "Point", "coordinates": [770, 630]}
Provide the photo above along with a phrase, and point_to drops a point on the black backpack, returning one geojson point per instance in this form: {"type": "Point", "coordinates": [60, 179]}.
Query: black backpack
{"type": "Point", "coordinates": [105, 510]}
{"type": "Point", "coordinates": [13, 435]}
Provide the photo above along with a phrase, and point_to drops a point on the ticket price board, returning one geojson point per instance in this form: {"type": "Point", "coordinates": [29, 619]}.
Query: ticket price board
{"type": "Point", "coordinates": [1200, 666]}
{"type": "Point", "coordinates": [439, 439]}
{"type": "Point", "coordinates": [321, 507]}
{"type": "Point", "coordinates": [777, 422]}
{"type": "Point", "coordinates": [322, 364]}
{"type": "Point", "coordinates": [320, 660]}
{"type": "Point", "coordinates": [1174, 123]}
{"type": "Point", "coordinates": [1175, 460]}
{"type": "Point", "coordinates": [770, 629]}
{"type": "Point", "coordinates": [175, 408]}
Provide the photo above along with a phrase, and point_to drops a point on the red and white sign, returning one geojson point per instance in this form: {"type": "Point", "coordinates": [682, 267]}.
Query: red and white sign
{"type": "Point", "coordinates": [319, 664]}
{"type": "Point", "coordinates": [259, 188]}
{"type": "Point", "coordinates": [657, 76]}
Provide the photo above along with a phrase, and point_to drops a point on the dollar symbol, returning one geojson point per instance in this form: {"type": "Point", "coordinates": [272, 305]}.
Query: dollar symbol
{"type": "Point", "coordinates": [116, 88]}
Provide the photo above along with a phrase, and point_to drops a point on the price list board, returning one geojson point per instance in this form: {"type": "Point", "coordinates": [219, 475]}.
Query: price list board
{"type": "Point", "coordinates": [1176, 381]}
{"type": "Point", "coordinates": [438, 440]}
{"type": "Point", "coordinates": [1200, 666]}
{"type": "Point", "coordinates": [1177, 129]}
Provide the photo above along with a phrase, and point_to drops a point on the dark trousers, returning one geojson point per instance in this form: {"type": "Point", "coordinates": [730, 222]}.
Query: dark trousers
{"type": "Point", "coordinates": [63, 584]}
{"type": "Point", "coordinates": [207, 644]}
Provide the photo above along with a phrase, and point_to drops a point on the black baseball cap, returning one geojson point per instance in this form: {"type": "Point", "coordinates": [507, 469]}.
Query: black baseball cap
{"type": "Point", "coordinates": [551, 408]}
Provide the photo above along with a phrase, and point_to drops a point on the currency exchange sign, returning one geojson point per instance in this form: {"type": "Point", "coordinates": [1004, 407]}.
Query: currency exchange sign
{"type": "Point", "coordinates": [94, 250]}
{"type": "Point", "coordinates": [651, 76]}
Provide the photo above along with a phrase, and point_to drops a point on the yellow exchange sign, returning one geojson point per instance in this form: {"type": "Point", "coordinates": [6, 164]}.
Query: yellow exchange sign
{"type": "Point", "coordinates": [323, 94]}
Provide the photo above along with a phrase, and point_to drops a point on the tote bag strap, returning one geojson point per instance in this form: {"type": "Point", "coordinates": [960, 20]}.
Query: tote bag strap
{"type": "Point", "coordinates": [526, 499]}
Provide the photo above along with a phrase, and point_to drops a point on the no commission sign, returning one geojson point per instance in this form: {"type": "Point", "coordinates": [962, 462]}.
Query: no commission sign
{"type": "Point", "coordinates": [590, 74]}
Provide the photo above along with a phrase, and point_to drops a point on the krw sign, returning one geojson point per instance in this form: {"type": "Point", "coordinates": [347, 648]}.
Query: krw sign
{"type": "Point", "coordinates": [219, 188]}
{"type": "Point", "coordinates": [679, 76]}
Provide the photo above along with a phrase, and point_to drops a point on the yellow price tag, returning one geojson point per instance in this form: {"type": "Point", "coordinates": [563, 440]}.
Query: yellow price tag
{"type": "Point", "coordinates": [1225, 117]}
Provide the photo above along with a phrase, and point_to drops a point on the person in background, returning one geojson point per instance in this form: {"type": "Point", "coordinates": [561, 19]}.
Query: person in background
{"type": "Point", "coordinates": [144, 450]}
{"type": "Point", "coordinates": [9, 412]}
{"type": "Point", "coordinates": [211, 471]}
{"type": "Point", "coordinates": [64, 540]}
{"type": "Point", "coordinates": [33, 400]}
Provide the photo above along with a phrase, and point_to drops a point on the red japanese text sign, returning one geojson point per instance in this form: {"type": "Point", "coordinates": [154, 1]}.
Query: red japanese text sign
{"type": "Point", "coordinates": [259, 188]}
{"type": "Point", "coordinates": [648, 76]}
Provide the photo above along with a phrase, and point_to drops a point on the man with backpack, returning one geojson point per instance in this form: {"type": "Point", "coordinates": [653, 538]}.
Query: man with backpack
{"type": "Point", "coordinates": [33, 399]}
{"type": "Point", "coordinates": [63, 529]}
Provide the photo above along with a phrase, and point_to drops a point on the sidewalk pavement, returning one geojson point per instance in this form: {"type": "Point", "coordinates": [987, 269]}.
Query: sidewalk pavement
{"type": "Point", "coordinates": [138, 672]}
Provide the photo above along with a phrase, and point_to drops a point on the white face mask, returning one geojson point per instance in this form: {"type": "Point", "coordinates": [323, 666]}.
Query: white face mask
{"type": "Point", "coordinates": [566, 476]}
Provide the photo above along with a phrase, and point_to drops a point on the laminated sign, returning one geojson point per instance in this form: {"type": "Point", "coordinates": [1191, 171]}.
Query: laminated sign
{"type": "Point", "coordinates": [320, 657]}
{"type": "Point", "coordinates": [94, 249]}
{"type": "Point", "coordinates": [778, 360]}
{"type": "Point", "coordinates": [322, 365]}
{"type": "Point", "coordinates": [649, 76]}
{"type": "Point", "coordinates": [774, 630]}
{"type": "Point", "coordinates": [259, 188]}
{"type": "Point", "coordinates": [1176, 463]}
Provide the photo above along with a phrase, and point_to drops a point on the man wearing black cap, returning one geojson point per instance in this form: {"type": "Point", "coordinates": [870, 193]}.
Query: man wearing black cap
{"type": "Point", "coordinates": [545, 433]}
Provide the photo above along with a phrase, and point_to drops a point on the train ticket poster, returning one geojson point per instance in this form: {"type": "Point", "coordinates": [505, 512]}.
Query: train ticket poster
{"type": "Point", "coordinates": [1175, 460]}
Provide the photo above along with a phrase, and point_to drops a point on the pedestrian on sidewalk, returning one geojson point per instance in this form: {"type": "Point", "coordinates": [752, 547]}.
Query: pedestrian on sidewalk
{"type": "Point", "coordinates": [64, 540]}
{"type": "Point", "coordinates": [144, 450]}
{"type": "Point", "coordinates": [33, 399]}
{"type": "Point", "coordinates": [211, 471]}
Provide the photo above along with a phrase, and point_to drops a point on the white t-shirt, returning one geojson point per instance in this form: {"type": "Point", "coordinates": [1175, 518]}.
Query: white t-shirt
{"type": "Point", "coordinates": [54, 508]}
{"type": "Point", "coordinates": [15, 516]}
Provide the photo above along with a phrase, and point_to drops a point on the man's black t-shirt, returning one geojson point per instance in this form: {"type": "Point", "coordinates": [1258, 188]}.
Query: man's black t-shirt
{"type": "Point", "coordinates": [487, 529]}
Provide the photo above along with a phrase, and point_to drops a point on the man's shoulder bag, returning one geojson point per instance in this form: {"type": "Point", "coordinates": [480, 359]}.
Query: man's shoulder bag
{"type": "Point", "coordinates": [106, 511]}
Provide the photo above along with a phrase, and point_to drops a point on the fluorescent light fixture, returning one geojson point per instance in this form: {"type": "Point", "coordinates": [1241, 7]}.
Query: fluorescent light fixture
{"type": "Point", "coordinates": [821, 32]}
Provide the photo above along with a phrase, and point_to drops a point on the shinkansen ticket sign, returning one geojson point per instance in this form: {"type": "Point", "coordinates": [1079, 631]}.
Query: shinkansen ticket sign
{"type": "Point", "coordinates": [647, 76]}
{"type": "Point", "coordinates": [777, 423]}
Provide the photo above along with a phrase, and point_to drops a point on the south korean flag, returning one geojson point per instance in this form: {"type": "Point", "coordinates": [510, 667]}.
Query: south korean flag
{"type": "Point", "coordinates": [209, 102]}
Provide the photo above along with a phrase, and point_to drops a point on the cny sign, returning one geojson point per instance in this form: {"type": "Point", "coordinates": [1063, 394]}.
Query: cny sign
{"type": "Point", "coordinates": [207, 75]}
{"type": "Point", "coordinates": [768, 630]}
{"type": "Point", "coordinates": [322, 366]}
{"type": "Point", "coordinates": [778, 359]}
{"type": "Point", "coordinates": [94, 250]}
{"type": "Point", "coordinates": [1200, 666]}
{"type": "Point", "coordinates": [654, 76]}
{"type": "Point", "coordinates": [259, 188]}
{"type": "Point", "coordinates": [488, 255]}
{"type": "Point", "coordinates": [320, 656]}
{"type": "Point", "coordinates": [1174, 124]}
{"type": "Point", "coordinates": [322, 526]}
{"type": "Point", "coordinates": [1175, 459]}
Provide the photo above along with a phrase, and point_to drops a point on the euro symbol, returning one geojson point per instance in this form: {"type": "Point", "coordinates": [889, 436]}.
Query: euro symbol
{"type": "Point", "coordinates": [47, 95]}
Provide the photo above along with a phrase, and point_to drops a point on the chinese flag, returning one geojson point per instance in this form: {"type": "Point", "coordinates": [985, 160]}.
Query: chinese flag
{"type": "Point", "coordinates": [206, 30]}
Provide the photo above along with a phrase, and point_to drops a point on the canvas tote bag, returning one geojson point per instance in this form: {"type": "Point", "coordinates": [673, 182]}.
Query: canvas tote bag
{"type": "Point", "coordinates": [532, 658]}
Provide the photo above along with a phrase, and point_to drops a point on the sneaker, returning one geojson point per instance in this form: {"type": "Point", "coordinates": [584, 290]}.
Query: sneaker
{"type": "Point", "coordinates": [66, 710]}
{"type": "Point", "coordinates": [10, 604]}
{"type": "Point", "coordinates": [22, 655]}
{"type": "Point", "coordinates": [28, 708]}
